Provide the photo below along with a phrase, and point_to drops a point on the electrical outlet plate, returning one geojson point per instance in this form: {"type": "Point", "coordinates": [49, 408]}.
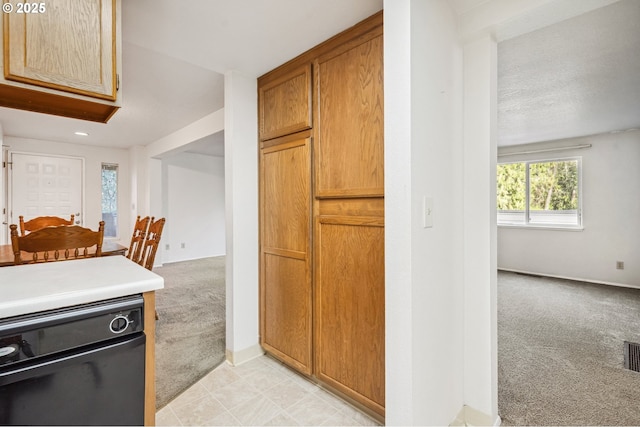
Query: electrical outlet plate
{"type": "Point", "coordinates": [620, 265]}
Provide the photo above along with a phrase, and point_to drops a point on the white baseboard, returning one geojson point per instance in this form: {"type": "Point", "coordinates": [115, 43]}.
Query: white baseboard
{"type": "Point", "coordinates": [472, 417]}
{"type": "Point", "coordinates": [578, 279]}
{"type": "Point", "coordinates": [236, 358]}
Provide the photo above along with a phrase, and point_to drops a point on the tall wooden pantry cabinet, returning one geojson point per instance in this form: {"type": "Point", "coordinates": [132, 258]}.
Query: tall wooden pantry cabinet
{"type": "Point", "coordinates": [322, 214]}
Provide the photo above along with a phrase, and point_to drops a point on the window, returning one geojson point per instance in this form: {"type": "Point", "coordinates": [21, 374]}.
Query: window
{"type": "Point", "coordinates": [110, 199]}
{"type": "Point", "coordinates": [540, 193]}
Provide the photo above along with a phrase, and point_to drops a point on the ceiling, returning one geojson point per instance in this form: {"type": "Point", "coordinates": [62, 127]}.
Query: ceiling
{"type": "Point", "coordinates": [574, 78]}
{"type": "Point", "coordinates": [566, 79]}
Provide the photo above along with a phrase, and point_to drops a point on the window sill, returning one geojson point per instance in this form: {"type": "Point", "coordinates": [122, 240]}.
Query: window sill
{"type": "Point", "coordinates": [544, 227]}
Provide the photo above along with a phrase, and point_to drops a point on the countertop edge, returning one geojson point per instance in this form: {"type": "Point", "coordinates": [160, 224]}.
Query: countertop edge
{"type": "Point", "coordinates": [67, 299]}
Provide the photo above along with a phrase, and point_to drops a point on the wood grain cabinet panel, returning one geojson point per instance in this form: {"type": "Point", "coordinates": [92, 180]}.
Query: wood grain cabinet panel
{"type": "Point", "coordinates": [287, 308]}
{"type": "Point", "coordinates": [285, 104]}
{"type": "Point", "coordinates": [285, 288]}
{"type": "Point", "coordinates": [349, 305]}
{"type": "Point", "coordinates": [69, 46]}
{"type": "Point", "coordinates": [350, 117]}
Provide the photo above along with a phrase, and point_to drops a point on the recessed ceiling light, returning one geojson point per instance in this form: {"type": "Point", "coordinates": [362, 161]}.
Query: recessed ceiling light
{"type": "Point", "coordinates": [82, 133]}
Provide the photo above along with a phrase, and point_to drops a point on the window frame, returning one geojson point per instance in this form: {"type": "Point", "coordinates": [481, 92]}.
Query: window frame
{"type": "Point", "coordinates": [527, 215]}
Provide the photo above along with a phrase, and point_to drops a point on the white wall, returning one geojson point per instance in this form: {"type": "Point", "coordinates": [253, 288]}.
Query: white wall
{"type": "Point", "coordinates": [611, 216]}
{"type": "Point", "coordinates": [195, 205]}
{"type": "Point", "coordinates": [479, 219]}
{"type": "Point", "coordinates": [423, 148]}
{"type": "Point", "coordinates": [94, 157]}
{"type": "Point", "coordinates": [241, 203]}
{"type": "Point", "coordinates": [150, 195]}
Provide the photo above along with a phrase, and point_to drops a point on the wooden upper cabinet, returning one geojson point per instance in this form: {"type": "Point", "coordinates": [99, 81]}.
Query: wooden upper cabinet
{"type": "Point", "coordinates": [349, 119]}
{"type": "Point", "coordinates": [63, 60]}
{"type": "Point", "coordinates": [69, 45]}
{"type": "Point", "coordinates": [285, 103]}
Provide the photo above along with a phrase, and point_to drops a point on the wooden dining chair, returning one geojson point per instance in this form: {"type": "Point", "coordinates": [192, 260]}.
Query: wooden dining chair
{"type": "Point", "coordinates": [148, 255]}
{"type": "Point", "coordinates": [151, 243]}
{"type": "Point", "coordinates": [60, 243]}
{"type": "Point", "coordinates": [137, 239]}
{"type": "Point", "coordinates": [42, 222]}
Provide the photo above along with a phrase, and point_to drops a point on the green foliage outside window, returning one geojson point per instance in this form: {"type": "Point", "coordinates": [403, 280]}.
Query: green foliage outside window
{"type": "Point", "coordinates": [539, 194]}
{"type": "Point", "coordinates": [553, 186]}
{"type": "Point", "coordinates": [110, 199]}
{"type": "Point", "coordinates": [511, 186]}
{"type": "Point", "coordinates": [109, 189]}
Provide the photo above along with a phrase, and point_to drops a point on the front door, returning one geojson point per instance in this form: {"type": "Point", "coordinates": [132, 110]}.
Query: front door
{"type": "Point", "coordinates": [45, 185]}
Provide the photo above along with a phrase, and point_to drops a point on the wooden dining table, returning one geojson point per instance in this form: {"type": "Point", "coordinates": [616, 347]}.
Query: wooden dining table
{"type": "Point", "coordinates": [108, 248]}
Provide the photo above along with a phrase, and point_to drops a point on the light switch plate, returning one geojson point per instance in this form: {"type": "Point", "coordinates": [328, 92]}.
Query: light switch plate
{"type": "Point", "coordinates": [427, 212]}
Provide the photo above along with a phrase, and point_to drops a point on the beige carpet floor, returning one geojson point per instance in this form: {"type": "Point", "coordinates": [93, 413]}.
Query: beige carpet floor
{"type": "Point", "coordinates": [561, 352]}
{"type": "Point", "coordinates": [190, 331]}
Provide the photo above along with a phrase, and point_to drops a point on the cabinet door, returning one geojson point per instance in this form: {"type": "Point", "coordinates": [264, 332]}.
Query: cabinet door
{"type": "Point", "coordinates": [285, 270]}
{"type": "Point", "coordinates": [349, 120]}
{"type": "Point", "coordinates": [68, 45]}
{"type": "Point", "coordinates": [285, 103]}
{"type": "Point", "coordinates": [349, 221]}
{"type": "Point", "coordinates": [349, 307]}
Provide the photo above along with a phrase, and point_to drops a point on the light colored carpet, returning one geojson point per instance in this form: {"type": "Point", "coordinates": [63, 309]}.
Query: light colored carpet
{"type": "Point", "coordinates": [560, 352]}
{"type": "Point", "coordinates": [190, 331]}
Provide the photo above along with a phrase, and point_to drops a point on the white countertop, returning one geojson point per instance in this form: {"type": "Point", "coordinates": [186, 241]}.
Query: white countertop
{"type": "Point", "coordinates": [37, 287]}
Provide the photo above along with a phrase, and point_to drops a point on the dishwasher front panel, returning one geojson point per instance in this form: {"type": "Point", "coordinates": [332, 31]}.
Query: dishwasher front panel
{"type": "Point", "coordinates": [96, 385]}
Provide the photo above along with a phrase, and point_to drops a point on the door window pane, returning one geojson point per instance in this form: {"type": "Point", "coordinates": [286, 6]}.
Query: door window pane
{"type": "Point", "coordinates": [110, 199]}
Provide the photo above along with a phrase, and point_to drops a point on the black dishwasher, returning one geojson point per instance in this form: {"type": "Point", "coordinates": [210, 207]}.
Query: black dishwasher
{"type": "Point", "coordinates": [82, 365]}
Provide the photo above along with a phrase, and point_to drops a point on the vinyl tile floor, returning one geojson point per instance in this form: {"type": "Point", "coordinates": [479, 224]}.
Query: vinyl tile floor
{"type": "Point", "coordinates": [261, 392]}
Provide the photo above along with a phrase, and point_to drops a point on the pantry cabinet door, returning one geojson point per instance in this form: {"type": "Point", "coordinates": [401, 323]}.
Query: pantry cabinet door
{"type": "Point", "coordinates": [285, 282]}
{"type": "Point", "coordinates": [349, 221]}
{"type": "Point", "coordinates": [349, 307]}
{"type": "Point", "coordinates": [349, 120]}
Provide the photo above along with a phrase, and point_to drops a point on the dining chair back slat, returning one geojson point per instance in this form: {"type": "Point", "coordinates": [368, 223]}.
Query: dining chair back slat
{"type": "Point", "coordinates": [59, 243]}
{"type": "Point", "coordinates": [137, 239]}
{"type": "Point", "coordinates": [42, 222]}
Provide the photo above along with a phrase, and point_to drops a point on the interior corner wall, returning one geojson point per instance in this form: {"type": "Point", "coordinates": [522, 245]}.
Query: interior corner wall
{"type": "Point", "coordinates": [241, 205]}
{"type": "Point", "coordinates": [195, 203]}
{"type": "Point", "coordinates": [423, 149]}
{"type": "Point", "coordinates": [479, 225]}
{"type": "Point", "coordinates": [611, 216]}
{"type": "Point", "coordinates": [93, 159]}
{"type": "Point", "coordinates": [139, 182]}
{"type": "Point", "coordinates": [155, 199]}
{"type": "Point", "coordinates": [399, 309]}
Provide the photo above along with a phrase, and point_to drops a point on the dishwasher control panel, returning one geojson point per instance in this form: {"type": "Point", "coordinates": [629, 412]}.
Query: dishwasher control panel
{"type": "Point", "coordinates": [54, 331]}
